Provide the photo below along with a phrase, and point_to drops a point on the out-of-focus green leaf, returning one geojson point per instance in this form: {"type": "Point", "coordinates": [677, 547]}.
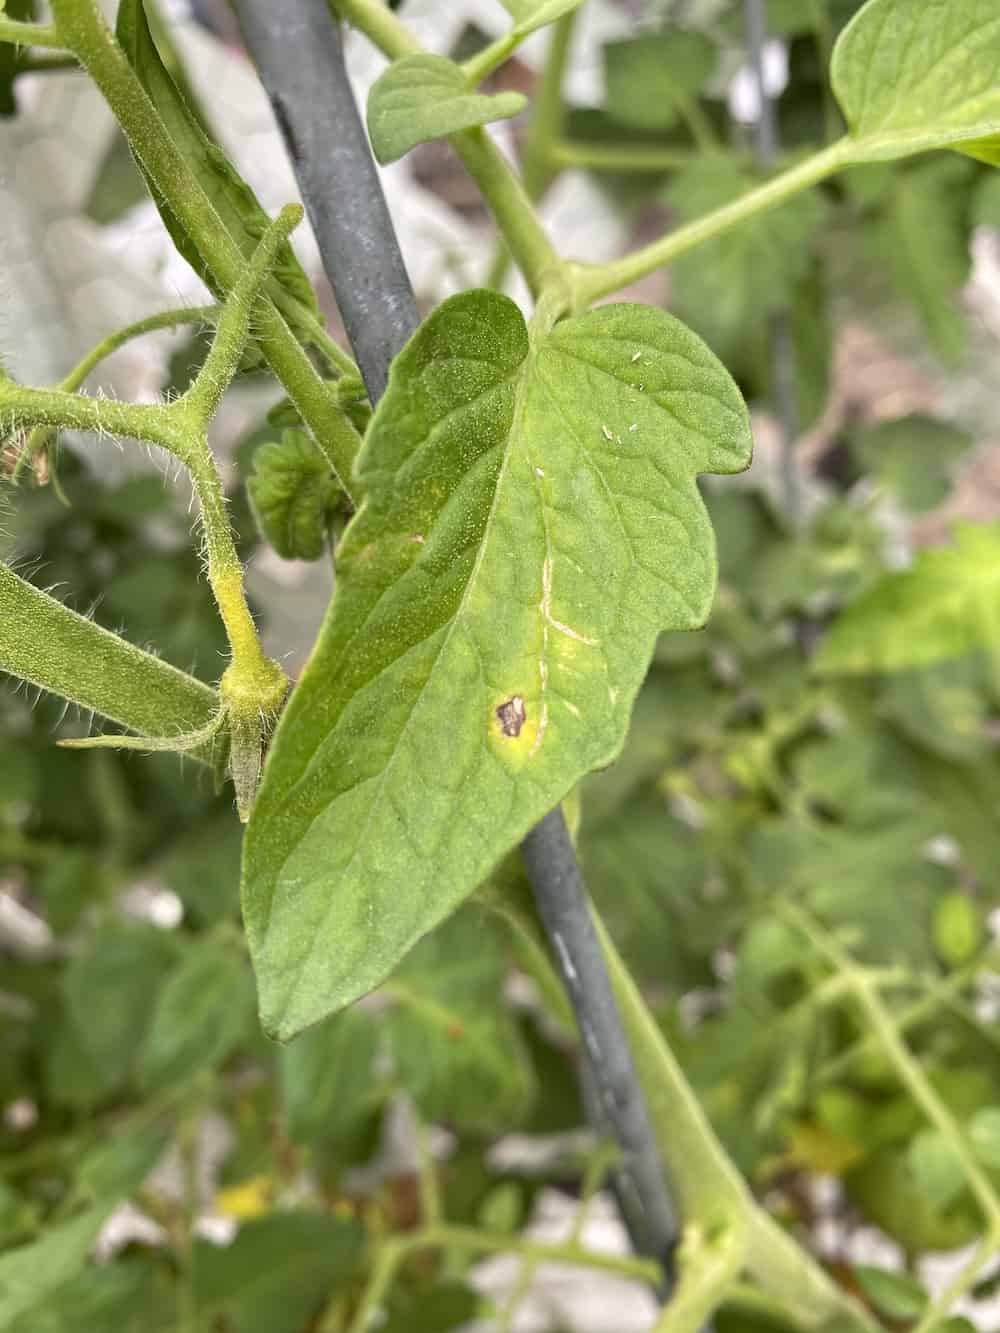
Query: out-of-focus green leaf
{"type": "Point", "coordinates": [727, 286]}
{"type": "Point", "coordinates": [328, 1079]}
{"type": "Point", "coordinates": [454, 1043]}
{"type": "Point", "coordinates": [946, 606]}
{"type": "Point", "coordinates": [893, 1294]}
{"type": "Point", "coordinates": [276, 1273]}
{"type": "Point", "coordinates": [958, 930]}
{"type": "Point", "coordinates": [936, 1167]}
{"type": "Point", "coordinates": [30, 1273]}
{"type": "Point", "coordinates": [114, 1169]}
{"type": "Point", "coordinates": [984, 1135]}
{"type": "Point", "coordinates": [108, 992]}
{"type": "Point", "coordinates": [914, 457]}
{"type": "Point", "coordinates": [204, 1008]}
{"type": "Point", "coordinates": [923, 241]}
{"type": "Point", "coordinates": [649, 78]}
{"type": "Point", "coordinates": [424, 97]}
{"type": "Point", "coordinates": [130, 1296]}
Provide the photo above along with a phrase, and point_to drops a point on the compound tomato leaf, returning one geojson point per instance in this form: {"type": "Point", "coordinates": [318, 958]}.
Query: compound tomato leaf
{"type": "Point", "coordinates": [911, 76]}
{"type": "Point", "coordinates": [425, 97]}
{"type": "Point", "coordinates": [531, 523]}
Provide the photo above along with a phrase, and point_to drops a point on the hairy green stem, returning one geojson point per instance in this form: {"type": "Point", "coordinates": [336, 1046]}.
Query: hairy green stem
{"type": "Point", "coordinates": [41, 436]}
{"type": "Point", "coordinates": [591, 282]}
{"type": "Point", "coordinates": [83, 29]}
{"type": "Point", "coordinates": [45, 643]}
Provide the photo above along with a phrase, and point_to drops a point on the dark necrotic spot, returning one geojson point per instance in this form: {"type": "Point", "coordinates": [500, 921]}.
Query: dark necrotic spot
{"type": "Point", "coordinates": [511, 716]}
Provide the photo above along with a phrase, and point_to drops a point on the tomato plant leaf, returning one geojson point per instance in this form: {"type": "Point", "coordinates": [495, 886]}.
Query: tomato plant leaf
{"type": "Point", "coordinates": [425, 97]}
{"type": "Point", "coordinates": [531, 14]}
{"type": "Point", "coordinates": [947, 605]}
{"type": "Point", "coordinates": [893, 1294]}
{"type": "Point", "coordinates": [914, 457]}
{"type": "Point", "coordinates": [235, 202]}
{"type": "Point", "coordinates": [30, 1273]}
{"type": "Point", "coordinates": [735, 281]}
{"type": "Point", "coordinates": [531, 523]}
{"type": "Point", "coordinates": [203, 1010]}
{"type": "Point", "coordinates": [923, 241]}
{"type": "Point", "coordinates": [274, 1275]}
{"type": "Point", "coordinates": [647, 78]}
{"type": "Point", "coordinates": [911, 76]}
{"type": "Point", "coordinates": [294, 496]}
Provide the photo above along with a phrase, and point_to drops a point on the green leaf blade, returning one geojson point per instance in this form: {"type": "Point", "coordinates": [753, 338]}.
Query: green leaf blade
{"type": "Point", "coordinates": [531, 523]}
{"type": "Point", "coordinates": [912, 76]}
{"type": "Point", "coordinates": [946, 606]}
{"type": "Point", "coordinates": [425, 97]}
{"type": "Point", "coordinates": [528, 15]}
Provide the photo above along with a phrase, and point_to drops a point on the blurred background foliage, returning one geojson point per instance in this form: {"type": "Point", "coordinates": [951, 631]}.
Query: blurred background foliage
{"type": "Point", "coordinates": [812, 745]}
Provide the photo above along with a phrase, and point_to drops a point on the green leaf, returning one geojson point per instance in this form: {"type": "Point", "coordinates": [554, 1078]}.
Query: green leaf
{"type": "Point", "coordinates": [31, 1272]}
{"type": "Point", "coordinates": [923, 241]}
{"type": "Point", "coordinates": [986, 202]}
{"type": "Point", "coordinates": [531, 523]}
{"type": "Point", "coordinates": [911, 76]}
{"type": "Point", "coordinates": [294, 496]}
{"type": "Point", "coordinates": [328, 1081]}
{"type": "Point", "coordinates": [649, 78]}
{"type": "Point", "coordinates": [733, 283]}
{"type": "Point", "coordinates": [958, 931]}
{"type": "Point", "coordinates": [984, 1135]}
{"type": "Point", "coordinates": [116, 1168]}
{"type": "Point", "coordinates": [531, 14]}
{"type": "Point", "coordinates": [275, 1274]}
{"type": "Point", "coordinates": [238, 207]}
{"type": "Point", "coordinates": [107, 990]}
{"type": "Point", "coordinates": [202, 1012]}
{"type": "Point", "coordinates": [914, 457]}
{"type": "Point", "coordinates": [453, 1043]}
{"type": "Point", "coordinates": [892, 1294]}
{"type": "Point", "coordinates": [945, 606]}
{"type": "Point", "coordinates": [131, 1296]}
{"type": "Point", "coordinates": [936, 1167]}
{"type": "Point", "coordinates": [424, 97]}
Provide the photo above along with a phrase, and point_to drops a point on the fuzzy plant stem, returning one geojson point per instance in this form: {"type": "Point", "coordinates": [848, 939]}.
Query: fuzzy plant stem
{"type": "Point", "coordinates": [300, 59]}
{"type": "Point", "coordinates": [782, 347]}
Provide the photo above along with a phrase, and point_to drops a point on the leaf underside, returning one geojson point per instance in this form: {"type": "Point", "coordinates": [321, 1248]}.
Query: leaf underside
{"type": "Point", "coordinates": [911, 75]}
{"type": "Point", "coordinates": [424, 97]}
{"type": "Point", "coordinates": [531, 523]}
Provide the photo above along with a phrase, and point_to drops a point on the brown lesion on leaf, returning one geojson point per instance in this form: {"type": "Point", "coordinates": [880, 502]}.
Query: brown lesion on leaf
{"type": "Point", "coordinates": [511, 715]}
